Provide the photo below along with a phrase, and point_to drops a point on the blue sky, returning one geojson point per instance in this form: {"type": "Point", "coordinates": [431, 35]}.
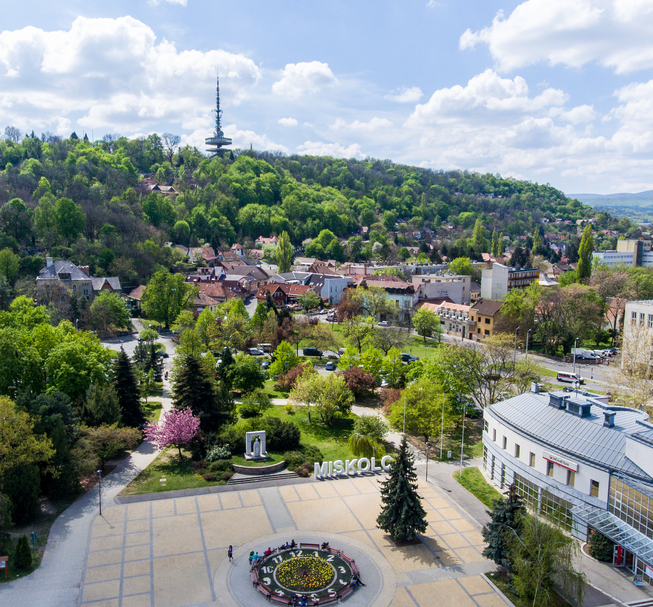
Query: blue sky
{"type": "Point", "coordinates": [553, 91]}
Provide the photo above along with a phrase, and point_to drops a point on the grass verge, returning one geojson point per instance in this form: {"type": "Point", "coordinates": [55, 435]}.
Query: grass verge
{"type": "Point", "coordinates": [500, 581]}
{"type": "Point", "coordinates": [151, 410]}
{"type": "Point", "coordinates": [178, 474]}
{"type": "Point", "coordinates": [474, 481]}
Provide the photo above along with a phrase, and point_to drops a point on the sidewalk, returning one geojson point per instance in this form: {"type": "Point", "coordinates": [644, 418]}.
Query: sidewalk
{"type": "Point", "coordinates": [57, 581]}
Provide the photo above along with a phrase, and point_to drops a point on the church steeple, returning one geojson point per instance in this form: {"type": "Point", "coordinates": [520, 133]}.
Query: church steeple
{"type": "Point", "coordinates": [216, 143]}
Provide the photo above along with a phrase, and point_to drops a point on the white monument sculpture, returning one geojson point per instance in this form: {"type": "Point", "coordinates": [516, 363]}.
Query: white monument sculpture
{"type": "Point", "coordinates": [255, 445]}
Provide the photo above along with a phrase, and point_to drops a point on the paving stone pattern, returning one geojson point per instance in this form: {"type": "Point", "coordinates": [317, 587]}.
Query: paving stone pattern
{"type": "Point", "coordinates": [166, 553]}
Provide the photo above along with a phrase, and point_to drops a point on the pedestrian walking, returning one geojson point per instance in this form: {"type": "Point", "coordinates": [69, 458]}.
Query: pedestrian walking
{"type": "Point", "coordinates": [230, 553]}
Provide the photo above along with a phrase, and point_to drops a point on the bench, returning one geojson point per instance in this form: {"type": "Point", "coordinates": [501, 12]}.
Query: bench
{"type": "Point", "coordinates": [309, 546]}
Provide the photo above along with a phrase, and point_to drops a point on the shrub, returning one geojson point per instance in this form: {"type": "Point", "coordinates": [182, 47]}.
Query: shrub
{"type": "Point", "coordinates": [359, 381]}
{"type": "Point", "coordinates": [390, 396]}
{"type": "Point", "coordinates": [287, 382]}
{"type": "Point", "coordinates": [209, 476]}
{"type": "Point", "coordinates": [223, 465]}
{"type": "Point", "coordinates": [303, 472]}
{"type": "Point", "coordinates": [218, 452]}
{"type": "Point", "coordinates": [255, 404]}
{"type": "Point", "coordinates": [600, 547]}
{"type": "Point", "coordinates": [234, 436]}
{"type": "Point", "coordinates": [227, 475]}
{"type": "Point", "coordinates": [23, 555]}
{"type": "Point", "coordinates": [280, 435]}
{"type": "Point", "coordinates": [308, 455]}
{"type": "Point", "coordinates": [288, 409]}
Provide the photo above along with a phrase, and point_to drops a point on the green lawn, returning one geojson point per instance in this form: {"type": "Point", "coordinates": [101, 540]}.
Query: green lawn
{"type": "Point", "coordinates": [271, 390]}
{"type": "Point", "coordinates": [331, 440]}
{"type": "Point", "coordinates": [151, 410]}
{"type": "Point", "coordinates": [273, 458]}
{"type": "Point", "coordinates": [473, 441]}
{"type": "Point", "coordinates": [178, 473]}
{"type": "Point", "coordinates": [474, 481]}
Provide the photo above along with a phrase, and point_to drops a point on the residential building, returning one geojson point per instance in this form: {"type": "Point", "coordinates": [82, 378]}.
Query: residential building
{"type": "Point", "coordinates": [238, 249]}
{"type": "Point", "coordinates": [76, 278]}
{"type": "Point", "coordinates": [637, 347]}
{"type": "Point", "coordinates": [581, 463]}
{"type": "Point", "coordinates": [283, 293]}
{"type": "Point", "coordinates": [261, 240]}
{"type": "Point", "coordinates": [401, 295]}
{"type": "Point", "coordinates": [455, 319]}
{"type": "Point", "coordinates": [498, 280]}
{"type": "Point", "coordinates": [474, 292]}
{"type": "Point", "coordinates": [329, 287]}
{"type": "Point", "coordinates": [456, 287]}
{"type": "Point", "coordinates": [484, 313]}
{"type": "Point", "coordinates": [630, 253]}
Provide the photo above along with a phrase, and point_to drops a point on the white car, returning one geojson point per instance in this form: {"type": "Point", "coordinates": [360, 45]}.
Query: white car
{"type": "Point", "coordinates": [383, 323]}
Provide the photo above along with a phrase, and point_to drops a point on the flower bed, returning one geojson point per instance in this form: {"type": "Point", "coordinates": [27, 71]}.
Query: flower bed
{"type": "Point", "coordinates": [305, 574]}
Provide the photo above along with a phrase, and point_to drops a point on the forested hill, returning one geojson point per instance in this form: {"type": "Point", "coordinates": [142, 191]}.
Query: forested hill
{"type": "Point", "coordinates": [80, 200]}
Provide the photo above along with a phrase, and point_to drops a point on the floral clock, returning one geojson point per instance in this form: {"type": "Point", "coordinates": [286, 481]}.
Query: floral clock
{"type": "Point", "coordinates": [322, 575]}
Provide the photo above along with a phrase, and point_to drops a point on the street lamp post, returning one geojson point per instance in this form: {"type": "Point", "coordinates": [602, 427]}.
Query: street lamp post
{"type": "Point", "coordinates": [428, 446]}
{"type": "Point", "coordinates": [575, 343]}
{"type": "Point", "coordinates": [442, 427]}
{"type": "Point", "coordinates": [99, 489]}
{"type": "Point", "coordinates": [528, 334]}
{"type": "Point", "coordinates": [462, 441]}
{"type": "Point", "coordinates": [514, 362]}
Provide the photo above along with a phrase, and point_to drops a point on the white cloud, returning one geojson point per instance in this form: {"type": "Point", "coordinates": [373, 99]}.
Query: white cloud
{"type": "Point", "coordinates": [581, 113]}
{"type": "Point", "coordinates": [245, 139]}
{"type": "Point", "coordinates": [614, 33]}
{"type": "Point", "coordinates": [298, 79]}
{"type": "Point", "coordinates": [287, 122]}
{"type": "Point", "coordinates": [484, 95]}
{"type": "Point", "coordinates": [156, 2]}
{"type": "Point", "coordinates": [406, 95]}
{"type": "Point", "coordinates": [320, 148]}
{"type": "Point", "coordinates": [112, 74]}
{"type": "Point", "coordinates": [375, 124]}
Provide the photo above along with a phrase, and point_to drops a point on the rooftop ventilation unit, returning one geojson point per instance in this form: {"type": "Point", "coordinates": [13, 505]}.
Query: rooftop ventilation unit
{"type": "Point", "coordinates": [608, 422]}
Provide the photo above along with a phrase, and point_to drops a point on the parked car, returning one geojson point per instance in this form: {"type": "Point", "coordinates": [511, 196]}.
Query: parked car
{"type": "Point", "coordinates": [163, 354]}
{"type": "Point", "coordinates": [383, 323]}
{"type": "Point", "coordinates": [610, 351]}
{"type": "Point", "coordinates": [265, 364]}
{"type": "Point", "coordinates": [408, 358]}
{"type": "Point", "coordinates": [330, 366]}
{"type": "Point", "coordinates": [312, 352]}
{"type": "Point", "coordinates": [255, 352]}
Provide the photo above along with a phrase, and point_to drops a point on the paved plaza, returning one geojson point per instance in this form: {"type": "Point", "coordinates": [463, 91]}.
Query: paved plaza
{"type": "Point", "coordinates": [173, 552]}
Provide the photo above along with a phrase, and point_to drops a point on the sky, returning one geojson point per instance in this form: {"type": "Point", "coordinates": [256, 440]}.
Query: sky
{"type": "Point", "coordinates": [552, 91]}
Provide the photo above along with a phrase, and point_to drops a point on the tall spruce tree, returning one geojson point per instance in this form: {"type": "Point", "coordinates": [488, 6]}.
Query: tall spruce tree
{"type": "Point", "coordinates": [402, 515]}
{"type": "Point", "coordinates": [207, 399]}
{"type": "Point", "coordinates": [284, 253]}
{"type": "Point", "coordinates": [506, 521]}
{"type": "Point", "coordinates": [126, 385]}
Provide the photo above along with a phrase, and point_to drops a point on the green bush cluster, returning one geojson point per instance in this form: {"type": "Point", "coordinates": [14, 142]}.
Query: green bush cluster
{"type": "Point", "coordinates": [600, 547]}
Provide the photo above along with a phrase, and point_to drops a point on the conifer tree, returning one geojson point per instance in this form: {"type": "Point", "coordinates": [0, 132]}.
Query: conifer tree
{"type": "Point", "coordinates": [23, 555]}
{"type": "Point", "coordinates": [196, 390]}
{"type": "Point", "coordinates": [126, 385]}
{"type": "Point", "coordinates": [402, 515]}
{"type": "Point", "coordinates": [506, 521]}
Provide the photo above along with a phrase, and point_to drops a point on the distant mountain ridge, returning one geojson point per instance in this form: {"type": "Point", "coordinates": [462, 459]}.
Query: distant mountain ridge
{"type": "Point", "coordinates": [639, 199]}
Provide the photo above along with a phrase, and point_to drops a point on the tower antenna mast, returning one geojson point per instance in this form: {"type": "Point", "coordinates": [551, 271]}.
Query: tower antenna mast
{"type": "Point", "coordinates": [216, 144]}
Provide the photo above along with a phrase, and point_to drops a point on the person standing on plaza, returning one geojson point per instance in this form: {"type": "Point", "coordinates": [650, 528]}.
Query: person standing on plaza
{"type": "Point", "coordinates": [230, 553]}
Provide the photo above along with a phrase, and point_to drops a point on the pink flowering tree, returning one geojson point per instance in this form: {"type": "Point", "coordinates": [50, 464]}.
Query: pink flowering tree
{"type": "Point", "coordinates": [177, 427]}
